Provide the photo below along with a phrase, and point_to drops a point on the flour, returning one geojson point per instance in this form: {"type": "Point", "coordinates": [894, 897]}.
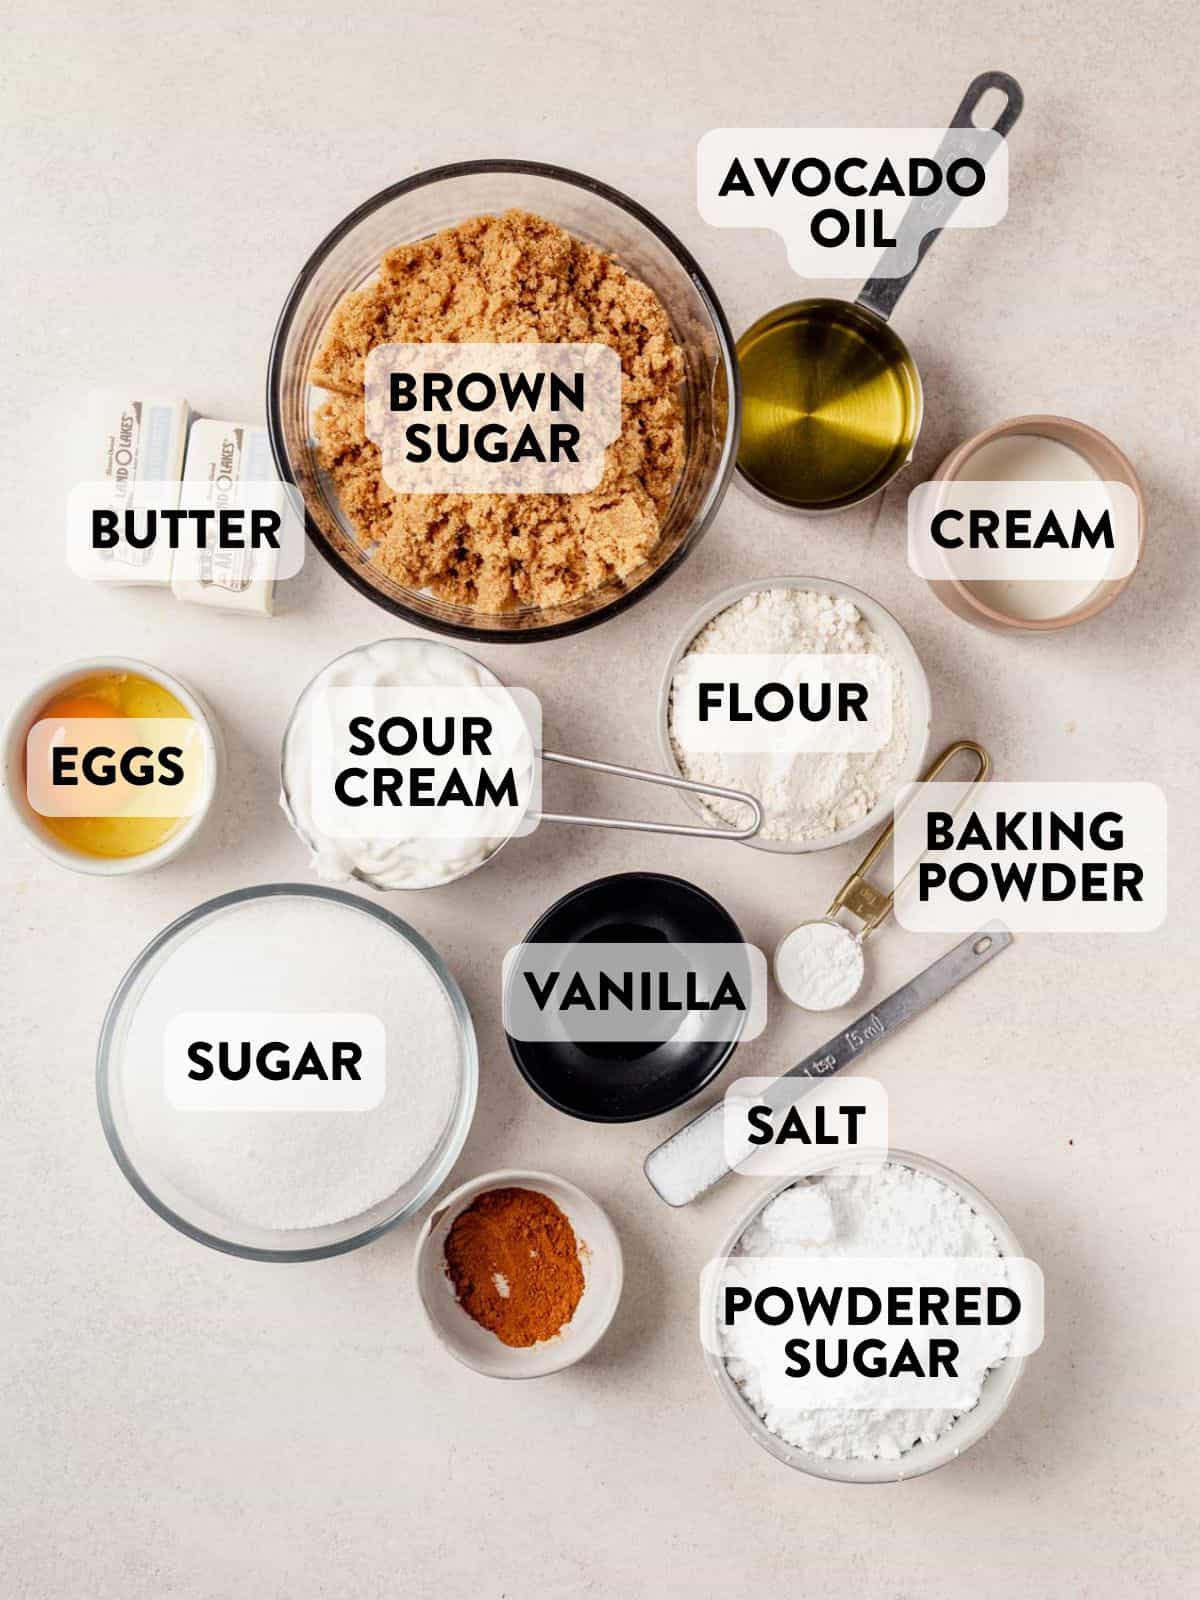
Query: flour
{"type": "Point", "coordinates": [894, 1212]}
{"type": "Point", "coordinates": [295, 1169]}
{"type": "Point", "coordinates": [819, 966]}
{"type": "Point", "coordinates": [805, 795]}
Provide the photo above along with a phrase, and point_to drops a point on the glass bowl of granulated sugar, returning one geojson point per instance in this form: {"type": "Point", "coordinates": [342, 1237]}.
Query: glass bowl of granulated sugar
{"type": "Point", "coordinates": [506, 253]}
{"type": "Point", "coordinates": [220, 1081]}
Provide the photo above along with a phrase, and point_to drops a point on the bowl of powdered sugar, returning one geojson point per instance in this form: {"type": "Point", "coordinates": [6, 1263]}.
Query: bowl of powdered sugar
{"type": "Point", "coordinates": [266, 1148]}
{"type": "Point", "coordinates": [811, 799]}
{"type": "Point", "coordinates": [905, 1209]}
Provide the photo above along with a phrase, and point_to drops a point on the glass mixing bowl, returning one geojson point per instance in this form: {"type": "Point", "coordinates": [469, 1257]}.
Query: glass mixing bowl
{"type": "Point", "coordinates": [138, 1162]}
{"type": "Point", "coordinates": [349, 257]}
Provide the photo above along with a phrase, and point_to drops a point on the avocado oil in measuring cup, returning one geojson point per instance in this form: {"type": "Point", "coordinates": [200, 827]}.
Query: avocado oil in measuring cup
{"type": "Point", "coordinates": [831, 404]}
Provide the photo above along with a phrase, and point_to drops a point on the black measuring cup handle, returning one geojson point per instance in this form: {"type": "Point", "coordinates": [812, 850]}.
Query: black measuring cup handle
{"type": "Point", "coordinates": [880, 295]}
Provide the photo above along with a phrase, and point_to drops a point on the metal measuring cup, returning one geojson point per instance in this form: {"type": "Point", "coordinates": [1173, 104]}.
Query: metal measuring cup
{"type": "Point", "coordinates": [841, 945]}
{"type": "Point", "coordinates": [831, 398]}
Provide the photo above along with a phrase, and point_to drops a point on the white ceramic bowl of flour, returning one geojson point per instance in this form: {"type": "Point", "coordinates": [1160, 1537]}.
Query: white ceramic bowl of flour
{"type": "Point", "coordinates": [298, 1184]}
{"type": "Point", "coordinates": [886, 634]}
{"type": "Point", "coordinates": [925, 1455]}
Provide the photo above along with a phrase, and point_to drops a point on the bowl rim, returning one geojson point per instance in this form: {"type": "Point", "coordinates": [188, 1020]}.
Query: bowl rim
{"type": "Point", "coordinates": [721, 327]}
{"type": "Point", "coordinates": [437, 1174]}
{"type": "Point", "coordinates": [919, 734]}
{"type": "Point", "coordinates": [16, 729]}
{"type": "Point", "coordinates": [511, 1177]}
{"type": "Point", "coordinates": [723, 1057]}
{"type": "Point", "coordinates": [834, 1469]}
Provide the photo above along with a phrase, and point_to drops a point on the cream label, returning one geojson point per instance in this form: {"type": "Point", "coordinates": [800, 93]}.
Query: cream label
{"type": "Point", "coordinates": [115, 766]}
{"type": "Point", "coordinates": [598, 993]}
{"type": "Point", "coordinates": [405, 763]}
{"type": "Point", "coordinates": [836, 196]}
{"type": "Point", "coordinates": [888, 1333]}
{"type": "Point", "coordinates": [258, 1061]}
{"type": "Point", "coordinates": [1040, 857]}
{"type": "Point", "coordinates": [493, 418]}
{"type": "Point", "coordinates": [794, 1127]}
{"type": "Point", "coordinates": [1023, 531]}
{"type": "Point", "coordinates": [785, 703]}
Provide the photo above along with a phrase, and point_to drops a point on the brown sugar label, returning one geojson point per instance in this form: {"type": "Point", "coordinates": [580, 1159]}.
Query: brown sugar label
{"type": "Point", "coordinates": [493, 418]}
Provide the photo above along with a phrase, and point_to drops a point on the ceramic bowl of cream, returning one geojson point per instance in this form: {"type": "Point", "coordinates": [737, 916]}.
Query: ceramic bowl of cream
{"type": "Point", "coordinates": [1045, 448]}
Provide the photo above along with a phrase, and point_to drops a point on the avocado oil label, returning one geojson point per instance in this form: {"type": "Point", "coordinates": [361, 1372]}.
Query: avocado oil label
{"type": "Point", "coordinates": [257, 1061]}
{"type": "Point", "coordinates": [493, 418]}
{"type": "Point", "coordinates": [836, 196]}
{"type": "Point", "coordinates": [1040, 857]}
{"type": "Point", "coordinates": [599, 993]}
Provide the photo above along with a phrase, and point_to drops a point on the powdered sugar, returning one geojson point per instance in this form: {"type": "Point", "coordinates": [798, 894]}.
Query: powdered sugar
{"type": "Point", "coordinates": [894, 1212]}
{"type": "Point", "coordinates": [804, 796]}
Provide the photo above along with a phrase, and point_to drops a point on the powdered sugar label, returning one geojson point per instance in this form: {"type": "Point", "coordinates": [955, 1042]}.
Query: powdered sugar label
{"type": "Point", "coordinates": [793, 1127]}
{"type": "Point", "coordinates": [425, 762]}
{"type": "Point", "coordinates": [258, 1061]}
{"type": "Point", "coordinates": [1042, 857]}
{"type": "Point", "coordinates": [839, 1333]}
{"type": "Point", "coordinates": [601, 993]}
{"type": "Point", "coordinates": [493, 418]}
{"type": "Point", "coordinates": [837, 195]}
{"type": "Point", "coordinates": [789, 703]}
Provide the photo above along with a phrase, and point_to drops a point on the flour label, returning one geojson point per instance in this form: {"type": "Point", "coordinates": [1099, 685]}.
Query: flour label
{"type": "Point", "coordinates": [785, 703]}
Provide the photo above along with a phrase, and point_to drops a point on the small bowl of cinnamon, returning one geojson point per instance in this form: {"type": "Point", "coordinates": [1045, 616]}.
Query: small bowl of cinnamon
{"type": "Point", "coordinates": [518, 1273]}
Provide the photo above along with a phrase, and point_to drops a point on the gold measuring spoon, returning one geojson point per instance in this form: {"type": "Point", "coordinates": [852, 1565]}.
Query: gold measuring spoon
{"type": "Point", "coordinates": [831, 398]}
{"type": "Point", "coordinates": [820, 965]}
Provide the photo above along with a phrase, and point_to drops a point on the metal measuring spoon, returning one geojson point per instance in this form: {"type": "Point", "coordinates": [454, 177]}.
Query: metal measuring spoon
{"type": "Point", "coordinates": [836, 950]}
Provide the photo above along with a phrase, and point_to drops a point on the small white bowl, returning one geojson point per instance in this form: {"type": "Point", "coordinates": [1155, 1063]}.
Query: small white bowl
{"type": "Point", "coordinates": [603, 1271]}
{"type": "Point", "coordinates": [893, 635]}
{"type": "Point", "coordinates": [17, 730]}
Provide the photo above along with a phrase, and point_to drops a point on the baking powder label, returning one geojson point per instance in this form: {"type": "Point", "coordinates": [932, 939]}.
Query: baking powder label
{"type": "Point", "coordinates": [274, 1061]}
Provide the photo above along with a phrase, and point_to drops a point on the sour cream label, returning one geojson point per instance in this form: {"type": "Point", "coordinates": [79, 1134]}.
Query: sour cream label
{"type": "Point", "coordinates": [493, 418]}
{"type": "Point", "coordinates": [443, 762]}
{"type": "Point", "coordinates": [836, 195]}
{"type": "Point", "coordinates": [258, 1061]}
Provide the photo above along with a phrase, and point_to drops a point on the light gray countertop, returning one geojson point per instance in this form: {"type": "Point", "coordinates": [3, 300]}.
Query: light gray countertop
{"type": "Point", "coordinates": [178, 1423]}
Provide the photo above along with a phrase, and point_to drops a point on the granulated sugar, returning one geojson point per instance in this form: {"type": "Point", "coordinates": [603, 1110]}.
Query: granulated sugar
{"type": "Point", "coordinates": [894, 1212]}
{"type": "Point", "coordinates": [296, 1169]}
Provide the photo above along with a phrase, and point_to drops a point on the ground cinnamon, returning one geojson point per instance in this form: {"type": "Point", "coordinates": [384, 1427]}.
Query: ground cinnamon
{"type": "Point", "coordinates": [513, 1259]}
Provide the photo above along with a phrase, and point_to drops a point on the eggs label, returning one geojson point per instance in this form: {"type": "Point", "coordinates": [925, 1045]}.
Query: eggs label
{"type": "Point", "coordinates": [493, 418]}
{"type": "Point", "coordinates": [115, 766]}
{"type": "Point", "coordinates": [633, 992]}
{"type": "Point", "coordinates": [794, 1127]}
{"type": "Point", "coordinates": [837, 196]}
{"type": "Point", "coordinates": [405, 763]}
{"type": "Point", "coordinates": [831, 1327]}
{"type": "Point", "coordinates": [1021, 531]}
{"type": "Point", "coordinates": [258, 1061]}
{"type": "Point", "coordinates": [781, 703]}
{"type": "Point", "coordinates": [1039, 857]}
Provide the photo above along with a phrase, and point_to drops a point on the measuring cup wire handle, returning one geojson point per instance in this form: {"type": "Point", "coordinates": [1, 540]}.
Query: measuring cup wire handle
{"type": "Point", "coordinates": [667, 782]}
{"type": "Point", "coordinates": [881, 295]}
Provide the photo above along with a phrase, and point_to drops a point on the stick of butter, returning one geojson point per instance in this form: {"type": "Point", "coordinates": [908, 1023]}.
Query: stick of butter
{"type": "Point", "coordinates": [221, 456]}
{"type": "Point", "coordinates": [138, 450]}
